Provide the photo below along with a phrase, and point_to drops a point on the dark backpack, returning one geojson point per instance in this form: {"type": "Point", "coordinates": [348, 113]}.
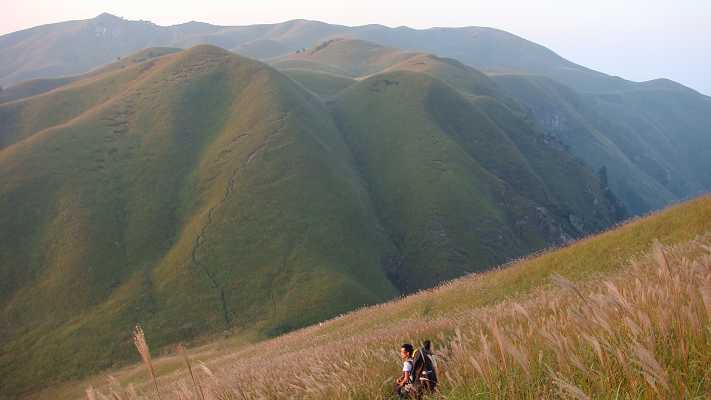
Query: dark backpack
{"type": "Point", "coordinates": [423, 369]}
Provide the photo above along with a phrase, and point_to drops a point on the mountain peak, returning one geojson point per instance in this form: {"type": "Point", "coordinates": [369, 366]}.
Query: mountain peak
{"type": "Point", "coordinates": [106, 17]}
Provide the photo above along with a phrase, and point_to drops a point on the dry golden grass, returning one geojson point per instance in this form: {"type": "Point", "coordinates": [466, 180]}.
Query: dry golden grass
{"type": "Point", "coordinates": [643, 332]}
{"type": "Point", "coordinates": [139, 340]}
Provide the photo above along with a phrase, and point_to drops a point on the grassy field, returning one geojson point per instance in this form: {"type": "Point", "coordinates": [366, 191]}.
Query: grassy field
{"type": "Point", "coordinates": [625, 314]}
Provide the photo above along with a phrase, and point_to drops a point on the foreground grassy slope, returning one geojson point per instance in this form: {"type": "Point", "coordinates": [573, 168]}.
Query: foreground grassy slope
{"type": "Point", "coordinates": [610, 328]}
{"type": "Point", "coordinates": [198, 193]}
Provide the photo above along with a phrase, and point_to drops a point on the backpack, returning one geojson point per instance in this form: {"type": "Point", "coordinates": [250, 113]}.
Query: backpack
{"type": "Point", "coordinates": [423, 367]}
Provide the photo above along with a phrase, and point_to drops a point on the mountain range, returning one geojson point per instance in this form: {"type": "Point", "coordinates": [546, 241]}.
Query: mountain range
{"type": "Point", "coordinates": [650, 137]}
{"type": "Point", "coordinates": [199, 190]}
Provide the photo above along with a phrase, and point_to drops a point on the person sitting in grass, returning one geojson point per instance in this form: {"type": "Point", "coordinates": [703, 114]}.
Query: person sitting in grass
{"type": "Point", "coordinates": [403, 384]}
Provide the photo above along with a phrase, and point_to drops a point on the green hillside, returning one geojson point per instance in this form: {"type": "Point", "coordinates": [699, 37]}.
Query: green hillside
{"type": "Point", "coordinates": [38, 86]}
{"type": "Point", "coordinates": [359, 59]}
{"type": "Point", "coordinates": [611, 316]}
{"type": "Point", "coordinates": [652, 137]}
{"type": "Point", "coordinates": [627, 136]}
{"type": "Point", "coordinates": [323, 84]}
{"type": "Point", "coordinates": [203, 187]}
{"type": "Point", "coordinates": [646, 139]}
{"type": "Point", "coordinates": [202, 192]}
{"type": "Point", "coordinates": [649, 140]}
{"type": "Point", "coordinates": [353, 57]}
{"type": "Point", "coordinates": [31, 88]}
{"type": "Point", "coordinates": [461, 184]}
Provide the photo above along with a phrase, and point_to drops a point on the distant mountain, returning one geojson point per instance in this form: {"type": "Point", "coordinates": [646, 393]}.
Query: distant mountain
{"type": "Point", "coordinates": [77, 46]}
{"type": "Point", "coordinates": [200, 191]}
{"type": "Point", "coordinates": [650, 138]}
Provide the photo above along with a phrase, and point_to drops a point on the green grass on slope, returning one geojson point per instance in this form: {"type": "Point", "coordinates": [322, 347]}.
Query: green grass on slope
{"type": "Point", "coordinates": [652, 140]}
{"type": "Point", "coordinates": [321, 83]}
{"type": "Point", "coordinates": [359, 59]}
{"type": "Point", "coordinates": [42, 85]}
{"type": "Point", "coordinates": [355, 57]}
{"type": "Point", "coordinates": [594, 257]}
{"type": "Point", "coordinates": [666, 133]}
{"type": "Point", "coordinates": [459, 185]}
{"type": "Point", "coordinates": [602, 253]}
{"type": "Point", "coordinates": [31, 88]}
{"type": "Point", "coordinates": [566, 115]}
{"type": "Point", "coordinates": [204, 192]}
{"type": "Point", "coordinates": [21, 118]}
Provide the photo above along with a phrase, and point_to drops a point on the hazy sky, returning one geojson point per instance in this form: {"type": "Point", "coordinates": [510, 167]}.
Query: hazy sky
{"type": "Point", "coordinates": [635, 39]}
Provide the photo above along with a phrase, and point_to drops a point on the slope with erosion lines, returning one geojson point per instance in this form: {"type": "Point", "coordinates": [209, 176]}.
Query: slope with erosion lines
{"type": "Point", "coordinates": [461, 183]}
{"type": "Point", "coordinates": [201, 147]}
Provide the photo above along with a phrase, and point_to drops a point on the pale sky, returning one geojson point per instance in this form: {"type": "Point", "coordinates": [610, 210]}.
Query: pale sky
{"type": "Point", "coordinates": [635, 39]}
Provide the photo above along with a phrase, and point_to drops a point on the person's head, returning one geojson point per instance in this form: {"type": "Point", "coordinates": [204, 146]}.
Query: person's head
{"type": "Point", "coordinates": [406, 351]}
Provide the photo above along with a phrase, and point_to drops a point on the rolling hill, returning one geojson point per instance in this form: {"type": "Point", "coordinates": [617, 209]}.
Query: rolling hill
{"type": "Point", "coordinates": [42, 85]}
{"type": "Point", "coordinates": [651, 137]}
{"type": "Point", "coordinates": [200, 184]}
{"type": "Point", "coordinates": [200, 191]}
{"type": "Point", "coordinates": [649, 140]}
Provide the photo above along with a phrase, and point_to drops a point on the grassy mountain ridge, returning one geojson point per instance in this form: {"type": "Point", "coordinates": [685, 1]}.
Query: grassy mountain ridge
{"type": "Point", "coordinates": [128, 205]}
{"type": "Point", "coordinates": [38, 86]}
{"type": "Point", "coordinates": [503, 194]}
{"type": "Point", "coordinates": [645, 153]}
{"type": "Point", "coordinates": [23, 118]}
{"type": "Point", "coordinates": [43, 51]}
{"type": "Point", "coordinates": [202, 191]}
{"type": "Point", "coordinates": [638, 137]}
{"type": "Point", "coordinates": [358, 59]}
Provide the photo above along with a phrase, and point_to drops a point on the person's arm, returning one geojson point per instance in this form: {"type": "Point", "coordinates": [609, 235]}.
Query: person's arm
{"type": "Point", "coordinates": [407, 367]}
{"type": "Point", "coordinates": [401, 380]}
